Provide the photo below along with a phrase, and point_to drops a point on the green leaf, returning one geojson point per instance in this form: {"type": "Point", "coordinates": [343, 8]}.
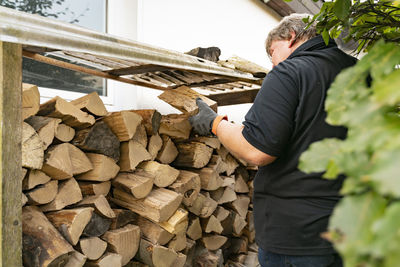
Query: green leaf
{"type": "Point", "coordinates": [319, 155]}
{"type": "Point", "coordinates": [387, 90]}
{"type": "Point", "coordinates": [386, 170]}
{"type": "Point", "coordinates": [342, 8]}
{"type": "Point", "coordinates": [350, 224]}
{"type": "Point", "coordinates": [387, 235]}
{"type": "Point", "coordinates": [325, 36]}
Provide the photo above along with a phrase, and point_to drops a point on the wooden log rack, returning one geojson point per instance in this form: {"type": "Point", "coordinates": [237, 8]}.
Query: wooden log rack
{"type": "Point", "coordinates": [99, 54]}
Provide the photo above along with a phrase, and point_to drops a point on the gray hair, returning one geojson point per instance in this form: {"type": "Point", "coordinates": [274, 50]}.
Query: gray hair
{"type": "Point", "coordinates": [292, 23]}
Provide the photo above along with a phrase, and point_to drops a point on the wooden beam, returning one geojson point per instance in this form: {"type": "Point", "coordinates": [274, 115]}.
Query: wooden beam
{"type": "Point", "coordinates": [10, 157]}
{"type": "Point", "coordinates": [74, 67]}
{"type": "Point", "coordinates": [236, 97]}
{"type": "Point", "coordinates": [137, 70]}
{"type": "Point", "coordinates": [280, 7]}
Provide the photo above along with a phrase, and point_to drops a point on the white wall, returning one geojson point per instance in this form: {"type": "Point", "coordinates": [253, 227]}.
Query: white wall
{"type": "Point", "coordinates": [237, 27]}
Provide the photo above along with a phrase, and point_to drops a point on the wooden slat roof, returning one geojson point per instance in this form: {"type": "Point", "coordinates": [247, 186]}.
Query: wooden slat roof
{"type": "Point", "coordinates": [73, 47]}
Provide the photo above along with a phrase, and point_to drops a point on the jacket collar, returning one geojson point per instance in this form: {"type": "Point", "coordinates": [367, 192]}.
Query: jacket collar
{"type": "Point", "coordinates": [316, 43]}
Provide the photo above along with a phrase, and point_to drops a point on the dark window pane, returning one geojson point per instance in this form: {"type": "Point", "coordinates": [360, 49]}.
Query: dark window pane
{"type": "Point", "coordinates": [87, 13]}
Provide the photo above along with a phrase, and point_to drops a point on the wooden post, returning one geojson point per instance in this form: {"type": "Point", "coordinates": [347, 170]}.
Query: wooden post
{"type": "Point", "coordinates": [10, 157]}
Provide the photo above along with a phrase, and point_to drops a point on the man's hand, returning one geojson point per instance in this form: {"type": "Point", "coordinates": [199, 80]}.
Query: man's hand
{"type": "Point", "coordinates": [202, 122]}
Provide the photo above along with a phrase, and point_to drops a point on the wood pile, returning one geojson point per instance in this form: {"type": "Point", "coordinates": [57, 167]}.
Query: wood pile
{"type": "Point", "coordinates": [129, 188]}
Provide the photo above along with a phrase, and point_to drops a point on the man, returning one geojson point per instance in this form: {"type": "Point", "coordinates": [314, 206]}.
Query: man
{"type": "Point", "coordinates": [291, 208]}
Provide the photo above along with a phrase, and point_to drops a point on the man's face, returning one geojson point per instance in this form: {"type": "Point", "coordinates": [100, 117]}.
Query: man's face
{"type": "Point", "coordinates": [280, 50]}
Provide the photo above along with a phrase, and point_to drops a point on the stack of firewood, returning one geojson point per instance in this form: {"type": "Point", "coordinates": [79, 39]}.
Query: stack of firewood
{"type": "Point", "coordinates": [129, 188]}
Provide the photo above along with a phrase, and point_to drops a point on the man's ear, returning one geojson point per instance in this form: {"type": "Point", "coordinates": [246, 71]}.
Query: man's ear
{"type": "Point", "coordinates": [292, 39]}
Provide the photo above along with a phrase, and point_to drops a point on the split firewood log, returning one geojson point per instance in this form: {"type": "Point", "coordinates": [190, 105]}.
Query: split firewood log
{"type": "Point", "coordinates": [68, 193]}
{"type": "Point", "coordinates": [178, 243]}
{"type": "Point", "coordinates": [176, 126]}
{"type": "Point", "coordinates": [211, 225]}
{"type": "Point", "coordinates": [24, 200]}
{"type": "Point", "coordinates": [168, 151]}
{"type": "Point", "coordinates": [141, 135]}
{"type": "Point", "coordinates": [240, 185]}
{"type": "Point", "coordinates": [94, 188]}
{"type": "Point", "coordinates": [92, 247]}
{"type": "Point", "coordinates": [24, 171]}
{"type": "Point", "coordinates": [163, 256]}
{"type": "Point", "coordinates": [132, 153]}
{"type": "Point", "coordinates": [158, 206]}
{"type": "Point", "coordinates": [153, 231]}
{"type": "Point", "coordinates": [154, 146]}
{"type": "Point", "coordinates": [123, 124]}
{"type": "Point", "coordinates": [217, 164]}
{"type": "Point", "coordinates": [43, 245]}
{"type": "Point", "coordinates": [65, 160]}
{"type": "Point", "coordinates": [151, 120]}
{"type": "Point", "coordinates": [30, 100]}
{"type": "Point", "coordinates": [107, 260]}
{"type": "Point", "coordinates": [223, 195]}
{"type": "Point", "coordinates": [76, 260]}
{"type": "Point", "coordinates": [43, 194]}
{"type": "Point", "coordinates": [209, 179]}
{"type": "Point", "coordinates": [104, 168]}
{"type": "Point", "coordinates": [88, 140]}
{"type": "Point", "coordinates": [71, 222]}
{"type": "Point", "coordinates": [183, 98]}
{"type": "Point", "coordinates": [205, 257]}
{"type": "Point", "coordinates": [221, 213]}
{"type": "Point", "coordinates": [213, 241]}
{"type": "Point", "coordinates": [139, 183]}
{"type": "Point", "coordinates": [187, 184]}
{"type": "Point", "coordinates": [32, 148]}
{"type": "Point", "coordinates": [92, 104]}
{"type": "Point", "coordinates": [194, 230]}
{"type": "Point", "coordinates": [67, 112]}
{"type": "Point", "coordinates": [193, 155]}
{"type": "Point", "coordinates": [239, 223]}
{"type": "Point", "coordinates": [212, 142]}
{"type": "Point", "coordinates": [177, 223]}
{"type": "Point", "coordinates": [34, 178]}
{"type": "Point", "coordinates": [241, 205]}
{"type": "Point", "coordinates": [231, 164]}
{"type": "Point", "coordinates": [122, 218]}
{"type": "Point", "coordinates": [189, 251]}
{"type": "Point", "coordinates": [164, 175]}
{"type": "Point", "coordinates": [100, 205]}
{"type": "Point", "coordinates": [64, 133]}
{"type": "Point", "coordinates": [203, 206]}
{"type": "Point", "coordinates": [45, 127]}
{"type": "Point", "coordinates": [123, 241]}
{"type": "Point", "coordinates": [97, 226]}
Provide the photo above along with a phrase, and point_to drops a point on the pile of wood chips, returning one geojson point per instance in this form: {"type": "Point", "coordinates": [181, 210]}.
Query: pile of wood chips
{"type": "Point", "coordinates": [129, 188]}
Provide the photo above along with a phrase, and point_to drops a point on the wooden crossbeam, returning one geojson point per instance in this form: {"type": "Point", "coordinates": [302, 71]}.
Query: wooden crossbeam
{"type": "Point", "coordinates": [236, 97]}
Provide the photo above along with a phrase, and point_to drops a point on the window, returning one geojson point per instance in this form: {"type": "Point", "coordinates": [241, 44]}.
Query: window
{"type": "Point", "coordinates": [87, 13]}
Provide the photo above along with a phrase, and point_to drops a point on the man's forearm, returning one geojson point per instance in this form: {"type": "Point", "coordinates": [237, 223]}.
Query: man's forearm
{"type": "Point", "coordinates": [230, 135]}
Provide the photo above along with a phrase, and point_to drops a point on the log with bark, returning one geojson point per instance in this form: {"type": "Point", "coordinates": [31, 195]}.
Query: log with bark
{"type": "Point", "coordinates": [123, 124]}
{"type": "Point", "coordinates": [151, 120]}
{"type": "Point", "coordinates": [71, 222]}
{"type": "Point", "coordinates": [88, 140]}
{"type": "Point", "coordinates": [43, 245]}
{"type": "Point", "coordinates": [183, 98]}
